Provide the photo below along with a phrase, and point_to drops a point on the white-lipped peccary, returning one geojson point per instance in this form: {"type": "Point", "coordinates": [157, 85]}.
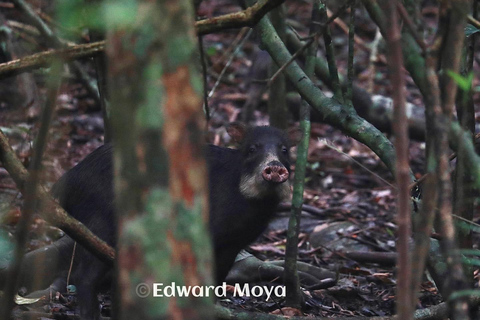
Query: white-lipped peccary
{"type": "Point", "coordinates": [246, 185]}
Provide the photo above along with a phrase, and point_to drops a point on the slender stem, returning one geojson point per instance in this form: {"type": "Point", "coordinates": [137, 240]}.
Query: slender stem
{"type": "Point", "coordinates": [21, 234]}
{"type": "Point", "coordinates": [397, 79]}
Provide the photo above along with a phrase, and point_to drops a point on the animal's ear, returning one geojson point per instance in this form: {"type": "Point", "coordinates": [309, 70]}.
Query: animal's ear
{"type": "Point", "coordinates": [294, 136]}
{"type": "Point", "coordinates": [237, 131]}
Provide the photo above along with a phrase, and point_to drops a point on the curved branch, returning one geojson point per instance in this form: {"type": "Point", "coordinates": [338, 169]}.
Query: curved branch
{"type": "Point", "coordinates": [51, 210]}
{"type": "Point", "coordinates": [333, 112]}
{"type": "Point", "coordinates": [246, 18]}
{"type": "Point", "coordinates": [456, 134]}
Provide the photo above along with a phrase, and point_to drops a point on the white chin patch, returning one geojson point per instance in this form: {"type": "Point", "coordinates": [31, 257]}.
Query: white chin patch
{"type": "Point", "coordinates": [255, 187]}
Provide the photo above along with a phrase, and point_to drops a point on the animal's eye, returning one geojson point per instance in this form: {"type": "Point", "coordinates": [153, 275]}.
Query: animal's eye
{"type": "Point", "coordinates": [252, 149]}
{"type": "Point", "coordinates": [284, 150]}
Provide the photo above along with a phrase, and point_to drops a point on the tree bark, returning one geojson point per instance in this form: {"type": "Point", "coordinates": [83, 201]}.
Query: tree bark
{"type": "Point", "coordinates": [160, 172]}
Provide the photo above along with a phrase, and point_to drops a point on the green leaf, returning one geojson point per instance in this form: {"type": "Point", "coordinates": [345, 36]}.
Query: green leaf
{"type": "Point", "coordinates": [464, 83]}
{"type": "Point", "coordinates": [120, 14]}
{"type": "Point", "coordinates": [76, 14]}
{"type": "Point", "coordinates": [211, 51]}
{"type": "Point", "coordinates": [70, 13]}
{"type": "Point", "coordinates": [315, 165]}
{"type": "Point", "coordinates": [470, 29]}
{"type": "Point", "coordinates": [390, 232]}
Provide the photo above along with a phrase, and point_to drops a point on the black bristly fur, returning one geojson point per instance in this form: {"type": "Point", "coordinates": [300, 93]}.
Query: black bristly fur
{"type": "Point", "coordinates": [86, 193]}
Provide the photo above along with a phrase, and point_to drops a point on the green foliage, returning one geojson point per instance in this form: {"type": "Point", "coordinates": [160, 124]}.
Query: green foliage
{"type": "Point", "coordinates": [120, 13]}
{"type": "Point", "coordinates": [464, 293]}
{"type": "Point", "coordinates": [6, 249]}
{"type": "Point", "coordinates": [470, 29]}
{"type": "Point", "coordinates": [464, 83]}
{"type": "Point", "coordinates": [211, 51]}
{"type": "Point", "coordinates": [196, 81]}
{"type": "Point", "coordinates": [77, 14]}
{"type": "Point", "coordinates": [149, 114]}
{"type": "Point", "coordinates": [180, 48]}
{"type": "Point", "coordinates": [390, 232]}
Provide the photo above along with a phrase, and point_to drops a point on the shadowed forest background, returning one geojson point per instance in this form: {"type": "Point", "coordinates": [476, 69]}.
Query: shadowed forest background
{"type": "Point", "coordinates": [388, 174]}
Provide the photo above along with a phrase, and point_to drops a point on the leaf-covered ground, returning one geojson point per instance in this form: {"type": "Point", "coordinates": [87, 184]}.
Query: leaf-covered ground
{"type": "Point", "coordinates": [349, 224]}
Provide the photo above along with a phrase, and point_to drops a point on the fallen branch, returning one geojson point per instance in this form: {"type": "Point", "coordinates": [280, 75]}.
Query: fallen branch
{"type": "Point", "coordinates": [51, 210]}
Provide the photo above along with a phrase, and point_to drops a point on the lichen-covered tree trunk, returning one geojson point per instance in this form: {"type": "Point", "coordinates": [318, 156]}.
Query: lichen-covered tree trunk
{"type": "Point", "coordinates": [160, 172]}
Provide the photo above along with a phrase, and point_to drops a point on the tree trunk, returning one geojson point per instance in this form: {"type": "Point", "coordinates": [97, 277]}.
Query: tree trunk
{"type": "Point", "coordinates": [160, 172]}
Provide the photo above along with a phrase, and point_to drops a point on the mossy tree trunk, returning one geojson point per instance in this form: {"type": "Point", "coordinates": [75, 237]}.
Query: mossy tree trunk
{"type": "Point", "coordinates": [160, 172]}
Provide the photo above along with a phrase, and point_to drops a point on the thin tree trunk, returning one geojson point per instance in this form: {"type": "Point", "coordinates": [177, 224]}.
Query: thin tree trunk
{"type": "Point", "coordinates": [160, 172]}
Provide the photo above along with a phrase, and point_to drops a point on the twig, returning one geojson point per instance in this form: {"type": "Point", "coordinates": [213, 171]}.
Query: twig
{"type": "Point", "coordinates": [205, 82]}
{"type": "Point", "coordinates": [57, 43]}
{"type": "Point", "coordinates": [333, 147]}
{"type": "Point", "coordinates": [351, 52]}
{"type": "Point", "coordinates": [38, 22]}
{"type": "Point", "coordinates": [373, 59]}
{"type": "Point", "coordinates": [233, 45]}
{"type": "Point", "coordinates": [451, 157]}
{"type": "Point", "coordinates": [411, 26]}
{"type": "Point", "coordinates": [72, 258]}
{"type": "Point", "coordinates": [22, 26]}
{"type": "Point", "coordinates": [30, 192]}
{"type": "Point", "coordinates": [246, 18]}
{"type": "Point", "coordinates": [470, 222]}
{"type": "Point", "coordinates": [51, 210]}
{"type": "Point", "coordinates": [228, 63]}
{"type": "Point", "coordinates": [452, 17]}
{"type": "Point", "coordinates": [342, 25]}
{"type": "Point", "coordinates": [290, 274]}
{"type": "Point", "coordinates": [44, 59]}
{"type": "Point", "coordinates": [7, 5]}
{"type": "Point", "coordinates": [330, 54]}
{"type": "Point", "coordinates": [294, 56]}
{"type": "Point", "coordinates": [340, 10]}
{"type": "Point", "coordinates": [473, 21]}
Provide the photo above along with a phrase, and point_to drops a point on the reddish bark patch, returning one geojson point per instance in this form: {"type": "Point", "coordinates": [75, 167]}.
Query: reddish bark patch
{"type": "Point", "coordinates": [182, 120]}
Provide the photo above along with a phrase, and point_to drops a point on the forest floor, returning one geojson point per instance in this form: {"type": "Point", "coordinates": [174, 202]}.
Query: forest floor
{"type": "Point", "coordinates": [349, 192]}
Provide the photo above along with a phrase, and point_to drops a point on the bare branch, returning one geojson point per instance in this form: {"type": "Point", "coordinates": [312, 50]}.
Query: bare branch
{"type": "Point", "coordinates": [246, 18]}
{"type": "Point", "coordinates": [44, 59]}
{"type": "Point", "coordinates": [51, 210]}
